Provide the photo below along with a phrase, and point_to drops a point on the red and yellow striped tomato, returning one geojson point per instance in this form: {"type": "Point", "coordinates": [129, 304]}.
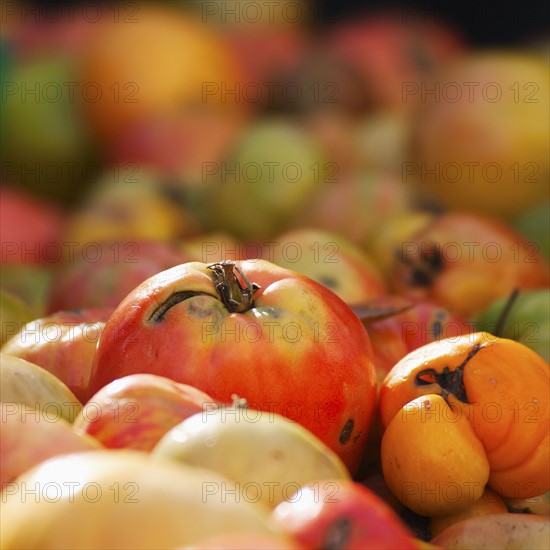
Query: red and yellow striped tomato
{"type": "Point", "coordinates": [267, 334]}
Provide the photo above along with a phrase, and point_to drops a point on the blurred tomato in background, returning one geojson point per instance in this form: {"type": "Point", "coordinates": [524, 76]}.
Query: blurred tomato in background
{"type": "Point", "coordinates": [222, 125]}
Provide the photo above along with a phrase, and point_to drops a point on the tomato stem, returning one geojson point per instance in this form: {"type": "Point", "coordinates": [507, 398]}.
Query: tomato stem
{"type": "Point", "coordinates": [233, 287]}
{"type": "Point", "coordinates": [506, 312]}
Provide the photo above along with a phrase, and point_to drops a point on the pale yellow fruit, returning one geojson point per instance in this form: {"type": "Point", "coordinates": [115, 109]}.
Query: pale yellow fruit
{"type": "Point", "coordinates": [267, 455]}
{"type": "Point", "coordinates": [24, 383]}
{"type": "Point", "coordinates": [121, 499]}
{"type": "Point", "coordinates": [431, 458]}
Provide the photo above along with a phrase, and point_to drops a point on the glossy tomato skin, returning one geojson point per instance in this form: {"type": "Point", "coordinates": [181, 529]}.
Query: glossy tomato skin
{"type": "Point", "coordinates": [500, 386]}
{"type": "Point", "coordinates": [300, 351]}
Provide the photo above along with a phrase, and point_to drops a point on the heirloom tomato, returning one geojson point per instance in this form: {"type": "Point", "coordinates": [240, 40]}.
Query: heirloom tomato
{"type": "Point", "coordinates": [269, 335]}
{"type": "Point", "coordinates": [501, 386]}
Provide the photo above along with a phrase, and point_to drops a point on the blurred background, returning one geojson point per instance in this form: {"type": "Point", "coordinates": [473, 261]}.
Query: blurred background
{"type": "Point", "coordinates": [151, 133]}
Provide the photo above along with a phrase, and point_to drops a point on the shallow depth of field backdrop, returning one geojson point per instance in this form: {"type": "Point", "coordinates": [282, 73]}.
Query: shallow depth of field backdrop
{"type": "Point", "coordinates": [131, 129]}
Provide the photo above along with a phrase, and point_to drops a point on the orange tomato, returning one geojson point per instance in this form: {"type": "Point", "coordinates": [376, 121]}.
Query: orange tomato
{"type": "Point", "coordinates": [502, 387]}
{"type": "Point", "coordinates": [160, 62]}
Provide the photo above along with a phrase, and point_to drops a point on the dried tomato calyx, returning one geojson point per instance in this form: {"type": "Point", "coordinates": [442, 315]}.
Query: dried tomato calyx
{"type": "Point", "coordinates": [450, 381]}
{"type": "Point", "coordinates": [424, 269]}
{"type": "Point", "coordinates": [234, 289]}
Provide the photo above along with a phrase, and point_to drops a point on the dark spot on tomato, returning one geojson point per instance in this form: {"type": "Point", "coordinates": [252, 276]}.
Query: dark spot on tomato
{"type": "Point", "coordinates": [338, 535]}
{"type": "Point", "coordinates": [346, 432]}
{"type": "Point", "coordinates": [277, 454]}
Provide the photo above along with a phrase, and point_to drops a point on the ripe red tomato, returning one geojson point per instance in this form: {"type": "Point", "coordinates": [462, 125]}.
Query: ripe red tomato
{"type": "Point", "coordinates": [341, 514]}
{"type": "Point", "coordinates": [267, 334]}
